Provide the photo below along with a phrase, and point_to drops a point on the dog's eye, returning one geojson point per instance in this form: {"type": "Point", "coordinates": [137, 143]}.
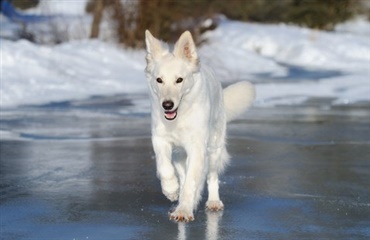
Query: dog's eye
{"type": "Point", "coordinates": [159, 80]}
{"type": "Point", "coordinates": [179, 80]}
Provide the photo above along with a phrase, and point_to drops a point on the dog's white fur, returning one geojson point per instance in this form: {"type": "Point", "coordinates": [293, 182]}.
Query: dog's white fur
{"type": "Point", "coordinates": [189, 140]}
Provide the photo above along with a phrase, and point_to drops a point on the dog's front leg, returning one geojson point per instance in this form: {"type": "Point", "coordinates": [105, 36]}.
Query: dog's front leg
{"type": "Point", "coordinates": [193, 185]}
{"type": "Point", "coordinates": [165, 169]}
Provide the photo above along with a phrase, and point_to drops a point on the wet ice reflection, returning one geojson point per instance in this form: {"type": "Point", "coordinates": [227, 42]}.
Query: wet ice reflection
{"type": "Point", "coordinates": [182, 231]}
{"type": "Point", "coordinates": [211, 229]}
{"type": "Point", "coordinates": [213, 221]}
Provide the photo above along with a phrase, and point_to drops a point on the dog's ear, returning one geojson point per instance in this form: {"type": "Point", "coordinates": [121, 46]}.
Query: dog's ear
{"type": "Point", "coordinates": [185, 48]}
{"type": "Point", "coordinates": [155, 48]}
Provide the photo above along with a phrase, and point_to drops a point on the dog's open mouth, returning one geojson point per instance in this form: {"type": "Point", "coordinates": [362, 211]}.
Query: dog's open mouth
{"type": "Point", "coordinates": [170, 115]}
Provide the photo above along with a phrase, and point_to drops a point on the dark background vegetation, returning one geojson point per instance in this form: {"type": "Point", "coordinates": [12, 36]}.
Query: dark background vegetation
{"type": "Point", "coordinates": [168, 18]}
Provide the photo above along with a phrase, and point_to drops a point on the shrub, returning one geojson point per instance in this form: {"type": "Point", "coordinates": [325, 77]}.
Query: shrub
{"type": "Point", "coordinates": [168, 18]}
{"type": "Point", "coordinates": [25, 4]}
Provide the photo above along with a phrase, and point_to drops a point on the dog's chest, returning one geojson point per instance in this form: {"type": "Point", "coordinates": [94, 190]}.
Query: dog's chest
{"type": "Point", "coordinates": [175, 134]}
{"type": "Point", "coordinates": [178, 136]}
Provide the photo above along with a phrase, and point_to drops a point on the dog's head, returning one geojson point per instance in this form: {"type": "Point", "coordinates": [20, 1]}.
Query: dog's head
{"type": "Point", "coordinates": [170, 74]}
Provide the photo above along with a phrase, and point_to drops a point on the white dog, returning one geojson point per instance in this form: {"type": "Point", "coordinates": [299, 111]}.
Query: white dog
{"type": "Point", "coordinates": [189, 115]}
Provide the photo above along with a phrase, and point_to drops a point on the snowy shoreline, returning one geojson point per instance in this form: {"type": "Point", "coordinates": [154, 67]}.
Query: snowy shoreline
{"type": "Point", "coordinates": [264, 54]}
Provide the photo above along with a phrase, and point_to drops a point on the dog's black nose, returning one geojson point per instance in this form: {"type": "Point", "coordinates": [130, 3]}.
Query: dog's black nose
{"type": "Point", "coordinates": [167, 105]}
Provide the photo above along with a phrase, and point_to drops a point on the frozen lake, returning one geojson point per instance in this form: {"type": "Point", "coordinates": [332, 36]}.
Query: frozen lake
{"type": "Point", "coordinates": [85, 170]}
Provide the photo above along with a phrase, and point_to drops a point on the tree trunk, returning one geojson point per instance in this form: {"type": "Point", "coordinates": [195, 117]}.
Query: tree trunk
{"type": "Point", "coordinates": [98, 12]}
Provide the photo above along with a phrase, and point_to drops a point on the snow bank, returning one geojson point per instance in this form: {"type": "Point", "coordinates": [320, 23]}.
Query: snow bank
{"type": "Point", "coordinates": [283, 62]}
{"type": "Point", "coordinates": [343, 90]}
{"type": "Point", "coordinates": [359, 25]}
{"type": "Point", "coordinates": [33, 74]}
{"type": "Point", "coordinates": [274, 44]}
{"type": "Point", "coordinates": [58, 7]}
{"type": "Point", "coordinates": [268, 54]}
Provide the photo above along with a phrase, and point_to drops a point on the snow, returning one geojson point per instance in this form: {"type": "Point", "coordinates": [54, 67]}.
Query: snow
{"type": "Point", "coordinates": [268, 53]}
{"type": "Point", "coordinates": [57, 7]}
{"type": "Point", "coordinates": [33, 74]}
{"type": "Point", "coordinates": [288, 65]}
{"type": "Point", "coordinates": [290, 45]}
{"type": "Point", "coordinates": [358, 25]}
{"type": "Point", "coordinates": [343, 90]}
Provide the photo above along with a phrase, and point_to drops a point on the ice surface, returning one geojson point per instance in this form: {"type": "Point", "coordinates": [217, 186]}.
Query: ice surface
{"type": "Point", "coordinates": [85, 170]}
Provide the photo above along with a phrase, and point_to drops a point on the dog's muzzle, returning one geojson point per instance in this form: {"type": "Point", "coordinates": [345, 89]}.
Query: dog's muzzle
{"type": "Point", "coordinates": [169, 114]}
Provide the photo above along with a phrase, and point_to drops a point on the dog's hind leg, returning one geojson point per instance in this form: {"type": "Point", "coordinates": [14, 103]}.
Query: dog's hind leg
{"type": "Point", "coordinates": [218, 160]}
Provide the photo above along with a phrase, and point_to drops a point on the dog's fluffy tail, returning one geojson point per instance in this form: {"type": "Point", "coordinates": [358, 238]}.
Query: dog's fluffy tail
{"type": "Point", "coordinates": [238, 98]}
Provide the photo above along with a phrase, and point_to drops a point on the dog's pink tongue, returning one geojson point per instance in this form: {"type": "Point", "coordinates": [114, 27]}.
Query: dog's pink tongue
{"type": "Point", "coordinates": [170, 115]}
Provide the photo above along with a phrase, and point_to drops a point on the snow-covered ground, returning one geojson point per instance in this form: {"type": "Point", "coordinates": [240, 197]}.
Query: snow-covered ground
{"type": "Point", "coordinates": [288, 64]}
{"type": "Point", "coordinates": [34, 74]}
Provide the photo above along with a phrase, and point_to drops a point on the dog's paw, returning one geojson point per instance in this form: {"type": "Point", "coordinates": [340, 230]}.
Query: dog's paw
{"type": "Point", "coordinates": [170, 188]}
{"type": "Point", "coordinates": [181, 215]}
{"type": "Point", "coordinates": [215, 206]}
